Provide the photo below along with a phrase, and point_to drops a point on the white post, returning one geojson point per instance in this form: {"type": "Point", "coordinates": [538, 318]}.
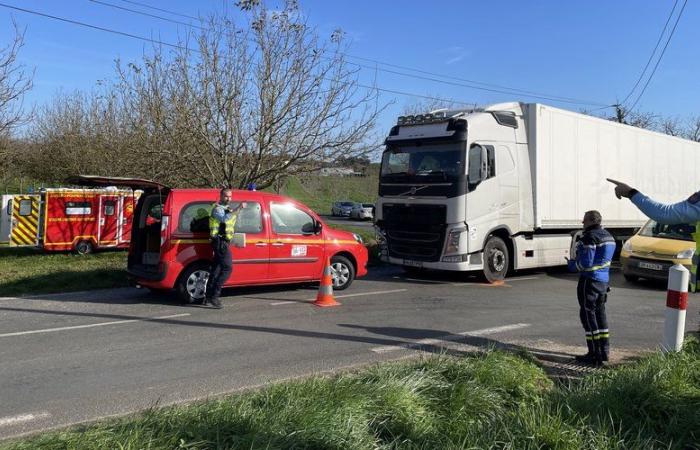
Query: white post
{"type": "Point", "coordinates": [676, 304]}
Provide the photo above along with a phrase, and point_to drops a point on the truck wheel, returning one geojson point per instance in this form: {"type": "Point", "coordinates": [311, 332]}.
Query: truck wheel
{"type": "Point", "coordinates": [191, 285]}
{"type": "Point", "coordinates": [496, 260]}
{"type": "Point", "coordinates": [84, 248]}
{"type": "Point", "coordinates": [343, 272]}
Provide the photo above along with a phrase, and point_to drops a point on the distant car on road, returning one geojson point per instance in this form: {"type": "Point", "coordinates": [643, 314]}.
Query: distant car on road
{"type": "Point", "coordinates": [362, 211]}
{"type": "Point", "coordinates": [655, 248]}
{"type": "Point", "coordinates": [342, 208]}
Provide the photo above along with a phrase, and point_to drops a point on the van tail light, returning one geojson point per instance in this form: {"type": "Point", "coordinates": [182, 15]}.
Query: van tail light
{"type": "Point", "coordinates": [164, 229]}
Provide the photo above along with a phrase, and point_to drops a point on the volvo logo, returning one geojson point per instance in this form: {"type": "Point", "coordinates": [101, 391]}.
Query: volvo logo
{"type": "Point", "coordinates": [414, 189]}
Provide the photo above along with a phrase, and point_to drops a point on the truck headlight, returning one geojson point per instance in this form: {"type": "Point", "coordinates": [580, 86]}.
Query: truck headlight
{"type": "Point", "coordinates": [686, 254]}
{"type": "Point", "coordinates": [453, 240]}
{"type": "Point", "coordinates": [627, 246]}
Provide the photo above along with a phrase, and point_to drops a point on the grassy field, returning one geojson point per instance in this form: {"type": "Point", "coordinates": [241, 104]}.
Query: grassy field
{"type": "Point", "coordinates": [28, 271]}
{"type": "Point", "coordinates": [319, 193]}
{"type": "Point", "coordinates": [492, 400]}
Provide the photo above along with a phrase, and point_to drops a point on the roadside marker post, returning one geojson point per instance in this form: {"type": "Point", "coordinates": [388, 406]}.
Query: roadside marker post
{"type": "Point", "coordinates": [676, 305]}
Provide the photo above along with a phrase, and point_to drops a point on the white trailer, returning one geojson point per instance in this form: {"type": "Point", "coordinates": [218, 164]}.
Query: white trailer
{"type": "Point", "coordinates": [5, 218]}
{"type": "Point", "coordinates": [504, 187]}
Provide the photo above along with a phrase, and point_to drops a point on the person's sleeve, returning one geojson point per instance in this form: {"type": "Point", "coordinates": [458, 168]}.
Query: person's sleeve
{"type": "Point", "coordinates": [671, 214]}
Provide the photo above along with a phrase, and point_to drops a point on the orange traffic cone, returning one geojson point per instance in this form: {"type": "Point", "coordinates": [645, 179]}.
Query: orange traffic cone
{"type": "Point", "coordinates": [325, 290]}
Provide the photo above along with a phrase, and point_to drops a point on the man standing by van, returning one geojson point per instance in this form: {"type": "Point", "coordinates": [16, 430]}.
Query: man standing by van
{"type": "Point", "coordinates": [686, 211]}
{"type": "Point", "coordinates": [222, 222]}
{"type": "Point", "coordinates": [594, 252]}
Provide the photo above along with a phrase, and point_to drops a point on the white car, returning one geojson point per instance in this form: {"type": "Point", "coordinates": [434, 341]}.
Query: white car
{"type": "Point", "coordinates": [362, 211]}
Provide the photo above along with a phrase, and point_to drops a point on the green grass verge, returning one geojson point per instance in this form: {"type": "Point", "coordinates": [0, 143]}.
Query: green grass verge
{"type": "Point", "coordinates": [29, 271]}
{"type": "Point", "coordinates": [319, 193]}
{"type": "Point", "coordinates": [492, 400]}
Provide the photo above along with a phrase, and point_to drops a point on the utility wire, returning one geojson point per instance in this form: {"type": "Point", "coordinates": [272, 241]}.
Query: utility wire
{"type": "Point", "coordinates": [651, 57]}
{"type": "Point", "coordinates": [180, 47]}
{"type": "Point", "coordinates": [500, 89]}
{"type": "Point", "coordinates": [685, 2]}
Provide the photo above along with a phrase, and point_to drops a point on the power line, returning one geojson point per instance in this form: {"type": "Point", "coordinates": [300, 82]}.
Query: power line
{"type": "Point", "coordinates": [500, 89]}
{"type": "Point", "coordinates": [685, 2]}
{"type": "Point", "coordinates": [656, 47]}
{"type": "Point", "coordinates": [167, 44]}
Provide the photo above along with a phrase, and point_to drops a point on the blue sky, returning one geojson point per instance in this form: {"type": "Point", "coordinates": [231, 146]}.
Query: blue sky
{"type": "Point", "coordinates": [593, 50]}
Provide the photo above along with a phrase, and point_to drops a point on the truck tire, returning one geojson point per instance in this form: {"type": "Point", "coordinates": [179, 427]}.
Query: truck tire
{"type": "Point", "coordinates": [84, 247]}
{"type": "Point", "coordinates": [496, 259]}
{"type": "Point", "coordinates": [343, 272]}
{"type": "Point", "coordinates": [191, 285]}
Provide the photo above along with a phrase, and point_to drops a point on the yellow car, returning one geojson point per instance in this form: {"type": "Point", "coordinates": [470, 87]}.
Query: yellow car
{"type": "Point", "coordinates": [655, 248]}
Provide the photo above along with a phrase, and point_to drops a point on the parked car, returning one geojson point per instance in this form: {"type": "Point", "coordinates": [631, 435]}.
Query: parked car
{"type": "Point", "coordinates": [278, 240]}
{"type": "Point", "coordinates": [655, 248]}
{"type": "Point", "coordinates": [362, 211]}
{"type": "Point", "coordinates": [342, 209]}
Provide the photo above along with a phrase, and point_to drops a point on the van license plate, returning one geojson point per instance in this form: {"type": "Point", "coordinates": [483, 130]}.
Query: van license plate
{"type": "Point", "coordinates": [652, 266]}
{"type": "Point", "coordinates": [408, 262]}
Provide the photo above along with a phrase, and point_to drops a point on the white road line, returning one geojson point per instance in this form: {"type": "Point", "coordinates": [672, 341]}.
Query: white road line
{"type": "Point", "coordinates": [359, 294]}
{"type": "Point", "coordinates": [92, 325]}
{"type": "Point", "coordinates": [14, 420]}
{"type": "Point", "coordinates": [522, 278]}
{"type": "Point", "coordinates": [450, 337]}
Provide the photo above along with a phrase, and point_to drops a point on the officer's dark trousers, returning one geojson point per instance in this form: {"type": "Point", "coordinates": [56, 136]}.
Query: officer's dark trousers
{"type": "Point", "coordinates": [592, 296]}
{"type": "Point", "coordinates": [221, 267]}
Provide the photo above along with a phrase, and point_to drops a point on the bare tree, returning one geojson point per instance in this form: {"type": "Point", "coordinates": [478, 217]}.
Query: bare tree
{"type": "Point", "coordinates": [15, 81]}
{"type": "Point", "coordinates": [252, 104]}
{"type": "Point", "coordinates": [672, 126]}
{"type": "Point", "coordinates": [426, 105]}
{"type": "Point", "coordinates": [692, 130]}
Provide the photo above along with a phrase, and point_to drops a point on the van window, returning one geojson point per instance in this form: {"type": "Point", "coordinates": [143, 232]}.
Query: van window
{"type": "Point", "coordinates": [194, 218]}
{"type": "Point", "coordinates": [288, 219]}
{"type": "Point", "coordinates": [110, 206]}
{"type": "Point", "coordinates": [77, 208]}
{"type": "Point", "coordinates": [25, 207]}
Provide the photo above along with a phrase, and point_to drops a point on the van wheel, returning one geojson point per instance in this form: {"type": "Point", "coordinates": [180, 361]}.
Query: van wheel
{"type": "Point", "coordinates": [84, 248]}
{"type": "Point", "coordinates": [343, 272]}
{"type": "Point", "coordinates": [496, 260]}
{"type": "Point", "coordinates": [191, 285]}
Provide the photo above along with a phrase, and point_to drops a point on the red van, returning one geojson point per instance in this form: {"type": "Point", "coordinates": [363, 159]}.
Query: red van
{"type": "Point", "coordinates": [278, 240]}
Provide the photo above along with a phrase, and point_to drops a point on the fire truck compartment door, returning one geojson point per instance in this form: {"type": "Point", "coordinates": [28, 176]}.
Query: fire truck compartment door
{"type": "Point", "coordinates": [25, 221]}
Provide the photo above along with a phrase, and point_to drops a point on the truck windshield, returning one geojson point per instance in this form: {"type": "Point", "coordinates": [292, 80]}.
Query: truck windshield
{"type": "Point", "coordinates": [424, 162]}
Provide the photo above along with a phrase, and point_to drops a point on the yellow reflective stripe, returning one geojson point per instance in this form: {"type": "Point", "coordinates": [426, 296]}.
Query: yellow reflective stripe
{"type": "Point", "coordinates": [594, 268]}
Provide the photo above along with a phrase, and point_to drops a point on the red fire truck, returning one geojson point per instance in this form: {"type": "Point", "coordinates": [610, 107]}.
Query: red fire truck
{"type": "Point", "coordinates": [81, 220]}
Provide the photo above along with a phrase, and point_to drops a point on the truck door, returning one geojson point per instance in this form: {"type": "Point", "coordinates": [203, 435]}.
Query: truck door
{"type": "Point", "coordinates": [25, 221]}
{"type": "Point", "coordinates": [483, 198]}
{"type": "Point", "coordinates": [109, 218]}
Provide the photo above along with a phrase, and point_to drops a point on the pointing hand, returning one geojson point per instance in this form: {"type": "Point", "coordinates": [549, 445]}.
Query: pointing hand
{"type": "Point", "coordinates": [621, 189]}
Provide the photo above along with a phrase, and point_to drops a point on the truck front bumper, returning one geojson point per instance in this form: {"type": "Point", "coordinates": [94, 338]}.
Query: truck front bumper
{"type": "Point", "coordinates": [473, 262]}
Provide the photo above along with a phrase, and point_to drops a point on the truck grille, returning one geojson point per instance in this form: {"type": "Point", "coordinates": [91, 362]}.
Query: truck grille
{"type": "Point", "coordinates": [415, 232]}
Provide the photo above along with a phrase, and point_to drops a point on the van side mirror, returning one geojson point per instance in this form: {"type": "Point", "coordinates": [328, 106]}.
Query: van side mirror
{"type": "Point", "coordinates": [318, 227]}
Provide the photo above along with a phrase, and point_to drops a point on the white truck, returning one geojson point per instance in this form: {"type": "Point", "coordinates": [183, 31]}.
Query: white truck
{"type": "Point", "coordinates": [505, 187]}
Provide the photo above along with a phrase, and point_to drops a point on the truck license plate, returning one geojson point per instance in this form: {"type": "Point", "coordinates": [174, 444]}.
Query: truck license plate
{"type": "Point", "coordinates": [408, 262]}
{"type": "Point", "coordinates": [652, 266]}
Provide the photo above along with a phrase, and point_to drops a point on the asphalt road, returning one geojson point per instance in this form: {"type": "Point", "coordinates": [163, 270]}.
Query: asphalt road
{"type": "Point", "coordinates": [71, 358]}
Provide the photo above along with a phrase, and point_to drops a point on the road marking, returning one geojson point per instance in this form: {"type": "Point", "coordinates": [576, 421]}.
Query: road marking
{"type": "Point", "coordinates": [522, 278]}
{"type": "Point", "coordinates": [449, 338]}
{"type": "Point", "coordinates": [92, 325]}
{"type": "Point", "coordinates": [14, 420]}
{"type": "Point", "coordinates": [421, 280]}
{"type": "Point", "coordinates": [359, 294]}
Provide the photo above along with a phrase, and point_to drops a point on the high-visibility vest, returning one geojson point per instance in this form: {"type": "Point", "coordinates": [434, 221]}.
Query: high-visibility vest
{"type": "Point", "coordinates": [696, 260]}
{"type": "Point", "coordinates": [224, 229]}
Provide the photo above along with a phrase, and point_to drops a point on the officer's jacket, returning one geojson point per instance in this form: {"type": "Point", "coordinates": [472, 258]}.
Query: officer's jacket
{"type": "Point", "coordinates": [594, 253]}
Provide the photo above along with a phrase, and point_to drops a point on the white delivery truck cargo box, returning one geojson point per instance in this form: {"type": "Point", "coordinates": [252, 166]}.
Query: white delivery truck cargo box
{"type": "Point", "coordinates": [572, 154]}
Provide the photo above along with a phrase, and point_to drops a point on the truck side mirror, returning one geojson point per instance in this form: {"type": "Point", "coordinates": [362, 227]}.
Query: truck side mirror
{"type": "Point", "coordinates": [484, 172]}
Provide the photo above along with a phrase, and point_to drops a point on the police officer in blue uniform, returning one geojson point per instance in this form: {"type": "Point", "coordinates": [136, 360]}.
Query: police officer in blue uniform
{"type": "Point", "coordinates": [594, 253]}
